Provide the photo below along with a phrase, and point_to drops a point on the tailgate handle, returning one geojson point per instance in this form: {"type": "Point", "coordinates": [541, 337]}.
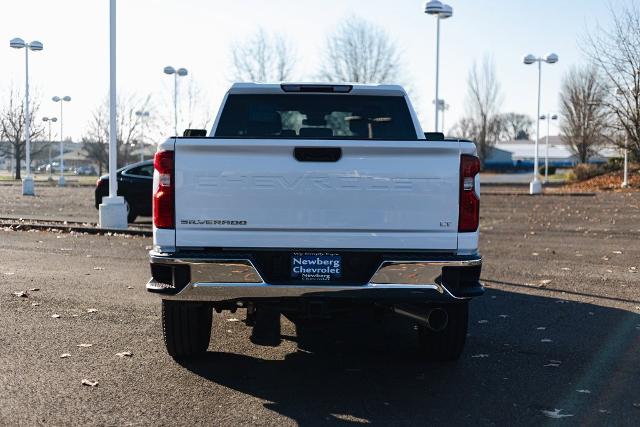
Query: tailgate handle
{"type": "Point", "coordinates": [317, 154]}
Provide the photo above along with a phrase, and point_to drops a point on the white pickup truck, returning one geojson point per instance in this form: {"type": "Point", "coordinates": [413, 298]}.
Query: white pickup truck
{"type": "Point", "coordinates": [309, 200]}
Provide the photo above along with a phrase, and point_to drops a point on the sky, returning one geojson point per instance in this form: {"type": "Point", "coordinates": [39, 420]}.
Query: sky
{"type": "Point", "coordinates": [198, 34]}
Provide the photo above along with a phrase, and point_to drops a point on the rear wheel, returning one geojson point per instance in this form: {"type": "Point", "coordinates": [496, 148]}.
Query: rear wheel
{"type": "Point", "coordinates": [131, 213]}
{"type": "Point", "coordinates": [446, 344]}
{"type": "Point", "coordinates": [186, 327]}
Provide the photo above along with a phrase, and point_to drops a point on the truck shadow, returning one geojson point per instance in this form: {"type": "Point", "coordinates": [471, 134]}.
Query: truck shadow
{"type": "Point", "coordinates": [525, 355]}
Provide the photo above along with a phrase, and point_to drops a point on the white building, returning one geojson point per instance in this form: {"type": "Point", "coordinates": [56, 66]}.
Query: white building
{"type": "Point", "coordinates": [520, 154]}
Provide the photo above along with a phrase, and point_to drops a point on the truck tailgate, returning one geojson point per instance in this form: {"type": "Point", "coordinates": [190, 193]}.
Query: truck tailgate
{"type": "Point", "coordinates": [240, 193]}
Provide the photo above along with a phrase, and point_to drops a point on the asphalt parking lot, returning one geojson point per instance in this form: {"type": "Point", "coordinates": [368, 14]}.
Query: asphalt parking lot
{"type": "Point", "coordinates": [556, 338]}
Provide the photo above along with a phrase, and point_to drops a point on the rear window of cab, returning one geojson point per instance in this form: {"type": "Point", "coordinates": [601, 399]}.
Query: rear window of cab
{"type": "Point", "coordinates": [320, 116]}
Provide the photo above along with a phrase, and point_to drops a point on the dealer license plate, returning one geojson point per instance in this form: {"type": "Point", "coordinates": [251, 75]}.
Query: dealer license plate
{"type": "Point", "coordinates": [316, 266]}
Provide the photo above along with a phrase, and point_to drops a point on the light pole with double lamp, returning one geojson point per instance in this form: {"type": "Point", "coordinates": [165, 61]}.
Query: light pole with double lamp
{"type": "Point", "coordinates": [535, 187]}
{"type": "Point", "coordinates": [440, 11]}
{"type": "Point", "coordinates": [17, 43]}
{"type": "Point", "coordinates": [180, 72]}
{"type": "Point", "coordinates": [144, 115]}
{"type": "Point", "coordinates": [61, 101]}
{"type": "Point", "coordinates": [548, 118]}
{"type": "Point", "coordinates": [50, 120]}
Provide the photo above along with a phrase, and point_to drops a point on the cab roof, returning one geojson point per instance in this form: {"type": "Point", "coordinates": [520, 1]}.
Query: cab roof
{"type": "Point", "coordinates": [327, 88]}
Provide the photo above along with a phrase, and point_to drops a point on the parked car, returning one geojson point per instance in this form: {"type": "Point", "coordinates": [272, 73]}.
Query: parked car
{"type": "Point", "coordinates": [135, 183]}
{"type": "Point", "coordinates": [310, 201]}
{"type": "Point", "coordinates": [85, 170]}
{"type": "Point", "coordinates": [54, 167]}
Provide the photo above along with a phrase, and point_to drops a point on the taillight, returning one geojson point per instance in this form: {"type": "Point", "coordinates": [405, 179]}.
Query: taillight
{"type": "Point", "coordinates": [469, 217]}
{"type": "Point", "coordinates": [163, 194]}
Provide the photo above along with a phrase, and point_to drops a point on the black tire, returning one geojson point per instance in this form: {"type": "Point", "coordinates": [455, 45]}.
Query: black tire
{"type": "Point", "coordinates": [266, 328]}
{"type": "Point", "coordinates": [186, 327]}
{"type": "Point", "coordinates": [446, 345]}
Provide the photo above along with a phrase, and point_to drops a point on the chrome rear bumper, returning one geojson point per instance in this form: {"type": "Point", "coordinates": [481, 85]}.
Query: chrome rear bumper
{"type": "Point", "coordinates": [220, 279]}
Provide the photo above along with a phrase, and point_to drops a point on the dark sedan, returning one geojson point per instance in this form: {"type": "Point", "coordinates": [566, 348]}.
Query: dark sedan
{"type": "Point", "coordinates": [135, 184]}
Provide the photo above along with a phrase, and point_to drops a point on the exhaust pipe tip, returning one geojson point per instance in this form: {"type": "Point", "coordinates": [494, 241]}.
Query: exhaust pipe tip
{"type": "Point", "coordinates": [436, 319]}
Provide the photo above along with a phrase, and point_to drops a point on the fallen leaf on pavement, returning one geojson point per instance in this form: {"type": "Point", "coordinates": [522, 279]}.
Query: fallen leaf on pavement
{"type": "Point", "coordinates": [124, 354]}
{"type": "Point", "coordinates": [55, 316]}
{"type": "Point", "coordinates": [84, 345]}
{"type": "Point", "coordinates": [34, 289]}
{"type": "Point", "coordinates": [233, 319]}
{"type": "Point", "coordinates": [617, 252]}
{"type": "Point", "coordinates": [98, 268]}
{"type": "Point", "coordinates": [89, 383]}
{"type": "Point", "coordinates": [91, 310]}
{"type": "Point", "coordinates": [64, 355]}
{"type": "Point", "coordinates": [556, 414]}
{"type": "Point", "coordinates": [21, 294]}
{"type": "Point", "coordinates": [35, 304]}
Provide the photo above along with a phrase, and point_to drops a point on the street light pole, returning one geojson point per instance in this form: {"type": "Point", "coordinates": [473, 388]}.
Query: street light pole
{"type": "Point", "coordinates": [50, 120]}
{"type": "Point", "coordinates": [535, 187]}
{"type": "Point", "coordinates": [61, 101]}
{"type": "Point", "coordinates": [112, 210]}
{"type": "Point", "coordinates": [143, 116]}
{"type": "Point", "coordinates": [17, 43]}
{"type": "Point", "coordinates": [445, 107]}
{"type": "Point", "coordinates": [548, 118]}
{"type": "Point", "coordinates": [440, 11]}
{"type": "Point", "coordinates": [180, 72]}
{"type": "Point", "coordinates": [437, 71]}
{"type": "Point", "coordinates": [625, 180]}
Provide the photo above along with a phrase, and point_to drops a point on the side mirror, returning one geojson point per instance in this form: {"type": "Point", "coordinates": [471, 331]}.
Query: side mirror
{"type": "Point", "coordinates": [434, 136]}
{"type": "Point", "coordinates": [197, 133]}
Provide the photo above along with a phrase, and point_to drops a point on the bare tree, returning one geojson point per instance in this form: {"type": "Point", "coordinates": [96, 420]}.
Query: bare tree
{"type": "Point", "coordinates": [12, 129]}
{"type": "Point", "coordinates": [515, 126]}
{"type": "Point", "coordinates": [615, 50]}
{"type": "Point", "coordinates": [483, 122]}
{"type": "Point", "coordinates": [95, 142]}
{"type": "Point", "coordinates": [583, 111]}
{"type": "Point", "coordinates": [263, 57]}
{"type": "Point", "coordinates": [195, 110]}
{"type": "Point", "coordinates": [465, 128]}
{"type": "Point", "coordinates": [361, 52]}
